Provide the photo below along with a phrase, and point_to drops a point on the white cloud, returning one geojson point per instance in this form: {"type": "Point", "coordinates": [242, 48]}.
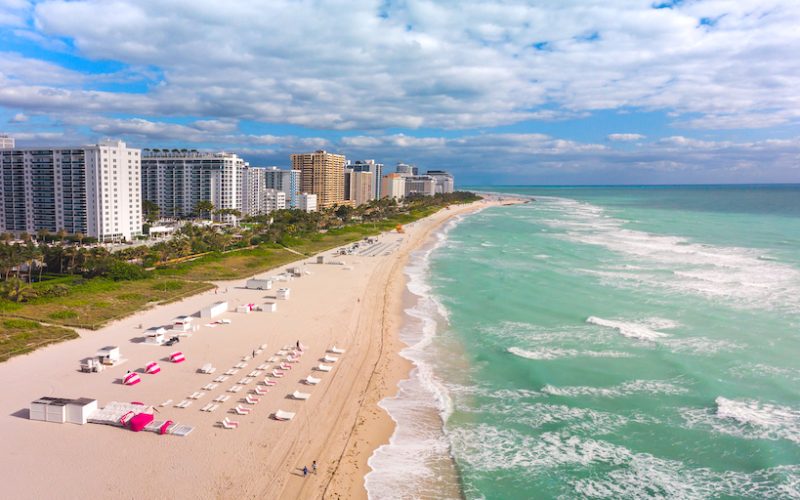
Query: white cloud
{"type": "Point", "coordinates": [625, 137]}
{"type": "Point", "coordinates": [428, 64]}
{"type": "Point", "coordinates": [18, 118]}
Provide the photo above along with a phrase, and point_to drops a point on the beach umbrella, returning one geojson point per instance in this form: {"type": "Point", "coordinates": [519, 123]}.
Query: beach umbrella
{"type": "Point", "coordinates": [152, 368]}
{"type": "Point", "coordinates": [177, 357]}
{"type": "Point", "coordinates": [131, 378]}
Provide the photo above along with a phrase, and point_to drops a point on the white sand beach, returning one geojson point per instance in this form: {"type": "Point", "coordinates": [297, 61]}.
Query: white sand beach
{"type": "Point", "coordinates": [356, 307]}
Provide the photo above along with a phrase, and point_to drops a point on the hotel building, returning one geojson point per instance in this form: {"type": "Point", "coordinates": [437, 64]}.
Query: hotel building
{"type": "Point", "coordinates": [93, 190]}
{"type": "Point", "coordinates": [321, 173]}
{"type": "Point", "coordinates": [393, 186]}
{"type": "Point", "coordinates": [420, 184]}
{"type": "Point", "coordinates": [287, 181]}
{"type": "Point", "coordinates": [444, 181]}
{"type": "Point", "coordinates": [377, 174]}
{"type": "Point", "coordinates": [176, 180]}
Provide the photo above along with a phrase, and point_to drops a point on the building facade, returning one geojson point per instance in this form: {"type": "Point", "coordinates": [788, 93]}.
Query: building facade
{"type": "Point", "coordinates": [445, 183]}
{"type": "Point", "coordinates": [377, 174]}
{"type": "Point", "coordinates": [307, 202]}
{"type": "Point", "coordinates": [393, 186]}
{"type": "Point", "coordinates": [287, 181]}
{"type": "Point", "coordinates": [361, 187]}
{"type": "Point", "coordinates": [420, 184]}
{"type": "Point", "coordinates": [253, 186]}
{"type": "Point", "coordinates": [405, 169]}
{"type": "Point", "coordinates": [6, 142]}
{"type": "Point", "coordinates": [176, 180]}
{"type": "Point", "coordinates": [92, 190]}
{"type": "Point", "coordinates": [272, 199]}
{"type": "Point", "coordinates": [322, 174]}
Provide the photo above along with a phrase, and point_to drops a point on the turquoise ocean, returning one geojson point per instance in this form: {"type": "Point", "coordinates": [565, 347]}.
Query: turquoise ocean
{"type": "Point", "coordinates": [604, 342]}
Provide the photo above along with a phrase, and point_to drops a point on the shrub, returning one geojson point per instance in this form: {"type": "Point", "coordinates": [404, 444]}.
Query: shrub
{"type": "Point", "coordinates": [123, 271]}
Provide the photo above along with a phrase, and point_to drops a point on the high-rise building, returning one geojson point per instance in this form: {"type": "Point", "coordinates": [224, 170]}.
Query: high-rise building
{"type": "Point", "coordinates": [92, 190]}
{"type": "Point", "coordinates": [361, 187]}
{"type": "Point", "coordinates": [253, 186]}
{"type": "Point", "coordinates": [176, 180]}
{"type": "Point", "coordinates": [307, 202]}
{"type": "Point", "coordinates": [445, 183]}
{"type": "Point", "coordinates": [377, 174]}
{"type": "Point", "coordinates": [6, 141]}
{"type": "Point", "coordinates": [393, 186]}
{"type": "Point", "coordinates": [321, 173]}
{"type": "Point", "coordinates": [405, 169]}
{"type": "Point", "coordinates": [420, 184]}
{"type": "Point", "coordinates": [287, 181]}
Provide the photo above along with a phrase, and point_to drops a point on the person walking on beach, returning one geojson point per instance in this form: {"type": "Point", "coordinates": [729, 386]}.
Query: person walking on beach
{"type": "Point", "coordinates": [314, 466]}
{"type": "Point", "coordinates": [305, 471]}
{"type": "Point", "coordinates": [298, 345]}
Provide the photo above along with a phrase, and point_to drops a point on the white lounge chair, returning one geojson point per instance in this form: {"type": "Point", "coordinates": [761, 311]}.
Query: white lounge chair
{"type": "Point", "coordinates": [221, 378]}
{"type": "Point", "coordinates": [166, 403]}
{"type": "Point", "coordinates": [259, 391]}
{"type": "Point", "coordinates": [324, 368]}
{"type": "Point", "coordinates": [285, 367]}
{"type": "Point", "coordinates": [235, 388]}
{"type": "Point", "coordinates": [311, 380]}
{"type": "Point", "coordinates": [229, 424]}
{"type": "Point", "coordinates": [210, 387]}
{"type": "Point", "coordinates": [207, 368]}
{"type": "Point", "coordinates": [277, 374]}
{"type": "Point", "coordinates": [300, 395]}
{"type": "Point", "coordinates": [251, 400]}
{"type": "Point", "coordinates": [336, 350]}
{"type": "Point", "coordinates": [283, 415]}
{"type": "Point", "coordinates": [222, 398]}
{"type": "Point", "coordinates": [206, 407]}
{"type": "Point", "coordinates": [330, 359]}
{"type": "Point", "coordinates": [263, 366]}
{"type": "Point", "coordinates": [269, 382]}
{"type": "Point", "coordinates": [213, 407]}
{"type": "Point", "coordinates": [232, 371]}
{"type": "Point", "coordinates": [240, 410]}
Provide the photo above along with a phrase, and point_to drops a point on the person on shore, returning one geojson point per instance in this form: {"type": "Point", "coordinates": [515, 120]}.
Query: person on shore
{"type": "Point", "coordinates": [305, 470]}
{"type": "Point", "coordinates": [314, 466]}
{"type": "Point", "coordinates": [298, 345]}
{"type": "Point", "coordinates": [254, 353]}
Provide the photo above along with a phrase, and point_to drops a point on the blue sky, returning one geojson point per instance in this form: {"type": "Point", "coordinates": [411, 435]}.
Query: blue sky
{"type": "Point", "coordinates": [510, 92]}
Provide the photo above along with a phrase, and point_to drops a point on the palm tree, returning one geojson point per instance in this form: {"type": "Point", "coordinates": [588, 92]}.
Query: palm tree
{"type": "Point", "coordinates": [61, 233]}
{"type": "Point", "coordinates": [42, 234]}
{"type": "Point", "coordinates": [203, 206]}
{"type": "Point", "coordinates": [79, 236]}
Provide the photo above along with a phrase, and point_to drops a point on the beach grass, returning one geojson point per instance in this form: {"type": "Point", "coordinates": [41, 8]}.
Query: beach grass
{"type": "Point", "coordinates": [18, 336]}
{"type": "Point", "coordinates": [91, 303]}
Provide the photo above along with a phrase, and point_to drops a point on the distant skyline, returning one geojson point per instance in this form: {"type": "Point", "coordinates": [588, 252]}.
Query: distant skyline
{"type": "Point", "coordinates": [539, 92]}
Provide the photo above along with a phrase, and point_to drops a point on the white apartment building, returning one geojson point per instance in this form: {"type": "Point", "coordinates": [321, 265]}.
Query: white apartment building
{"type": "Point", "coordinates": [307, 202]}
{"type": "Point", "coordinates": [272, 199]}
{"type": "Point", "coordinates": [93, 190]}
{"type": "Point", "coordinates": [176, 180]}
{"type": "Point", "coordinates": [253, 187]}
{"type": "Point", "coordinates": [287, 181]}
{"type": "Point", "coordinates": [6, 142]}
{"type": "Point", "coordinates": [393, 186]}
{"type": "Point", "coordinates": [420, 184]}
{"type": "Point", "coordinates": [445, 183]}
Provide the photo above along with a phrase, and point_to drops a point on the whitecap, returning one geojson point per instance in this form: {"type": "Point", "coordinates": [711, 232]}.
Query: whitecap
{"type": "Point", "coordinates": [621, 390]}
{"type": "Point", "coordinates": [558, 353]}
{"type": "Point", "coordinates": [627, 328]}
{"type": "Point", "coordinates": [747, 419]}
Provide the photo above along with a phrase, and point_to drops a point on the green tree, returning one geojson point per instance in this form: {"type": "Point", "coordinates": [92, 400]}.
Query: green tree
{"type": "Point", "coordinates": [203, 207]}
{"type": "Point", "coordinates": [151, 211]}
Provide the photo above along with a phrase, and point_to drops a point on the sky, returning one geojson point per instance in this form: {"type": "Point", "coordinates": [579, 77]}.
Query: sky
{"type": "Point", "coordinates": [497, 92]}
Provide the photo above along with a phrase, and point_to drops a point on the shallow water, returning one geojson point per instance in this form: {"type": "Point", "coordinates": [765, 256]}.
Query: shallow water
{"type": "Point", "coordinates": [607, 343]}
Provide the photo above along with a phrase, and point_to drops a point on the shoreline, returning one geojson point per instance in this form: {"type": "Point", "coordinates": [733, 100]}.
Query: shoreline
{"type": "Point", "coordinates": [375, 426]}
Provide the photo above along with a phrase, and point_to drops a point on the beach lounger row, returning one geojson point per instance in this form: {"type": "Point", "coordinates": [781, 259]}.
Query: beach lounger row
{"type": "Point", "coordinates": [232, 371]}
{"type": "Point", "coordinates": [184, 404]}
{"type": "Point", "coordinates": [251, 400]}
{"type": "Point", "coordinates": [240, 365]}
{"type": "Point", "coordinates": [260, 391]}
{"type": "Point", "coordinates": [196, 395]}
{"type": "Point", "coordinates": [221, 398]}
{"type": "Point", "coordinates": [254, 373]}
{"type": "Point", "coordinates": [221, 378]}
{"type": "Point", "coordinates": [336, 350]}
{"type": "Point", "coordinates": [241, 410]}
{"type": "Point", "coordinates": [235, 388]}
{"type": "Point", "coordinates": [166, 403]}
{"type": "Point", "coordinates": [210, 387]}
{"type": "Point", "coordinates": [209, 407]}
{"type": "Point", "coordinates": [245, 380]}
{"type": "Point", "coordinates": [263, 366]}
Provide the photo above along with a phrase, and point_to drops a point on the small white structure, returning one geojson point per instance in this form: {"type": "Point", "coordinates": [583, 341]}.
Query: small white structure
{"type": "Point", "coordinates": [295, 272]}
{"type": "Point", "coordinates": [109, 355]}
{"type": "Point", "coordinates": [154, 335]}
{"type": "Point", "coordinates": [283, 294]}
{"type": "Point", "coordinates": [60, 410]}
{"type": "Point", "coordinates": [182, 323]}
{"type": "Point", "coordinates": [214, 309]}
{"type": "Point", "coordinates": [91, 365]}
{"type": "Point", "coordinates": [259, 284]}
{"type": "Point", "coordinates": [320, 259]}
{"type": "Point", "coordinates": [268, 307]}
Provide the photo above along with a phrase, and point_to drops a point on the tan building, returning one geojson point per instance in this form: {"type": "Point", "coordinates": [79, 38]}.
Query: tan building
{"type": "Point", "coordinates": [393, 186]}
{"type": "Point", "coordinates": [322, 174]}
{"type": "Point", "coordinates": [359, 187]}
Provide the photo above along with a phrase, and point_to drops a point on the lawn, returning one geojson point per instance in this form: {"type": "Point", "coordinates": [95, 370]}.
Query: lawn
{"type": "Point", "coordinates": [92, 303]}
{"type": "Point", "coordinates": [231, 265]}
{"type": "Point", "coordinates": [18, 336]}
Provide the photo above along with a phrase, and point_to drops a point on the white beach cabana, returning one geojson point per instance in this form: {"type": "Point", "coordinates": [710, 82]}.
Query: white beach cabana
{"type": "Point", "coordinates": [283, 415]}
{"type": "Point", "coordinates": [303, 396]}
{"type": "Point", "coordinates": [214, 310]}
{"type": "Point", "coordinates": [182, 323]}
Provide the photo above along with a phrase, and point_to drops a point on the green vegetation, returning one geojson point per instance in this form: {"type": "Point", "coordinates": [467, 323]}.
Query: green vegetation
{"type": "Point", "coordinates": [88, 287]}
{"type": "Point", "coordinates": [18, 336]}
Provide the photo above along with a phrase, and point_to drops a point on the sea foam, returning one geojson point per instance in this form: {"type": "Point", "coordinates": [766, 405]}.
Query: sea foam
{"type": "Point", "coordinates": [628, 329]}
